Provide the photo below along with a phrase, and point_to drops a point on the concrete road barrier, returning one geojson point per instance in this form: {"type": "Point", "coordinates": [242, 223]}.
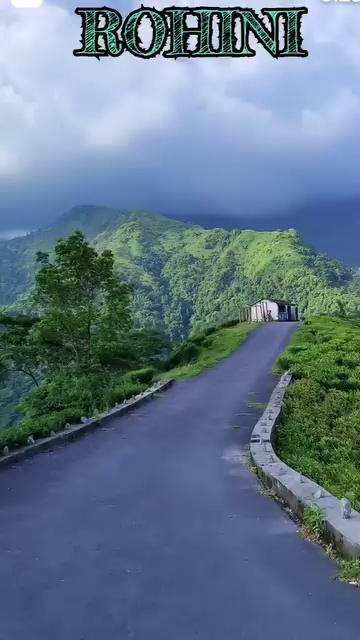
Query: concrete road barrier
{"type": "Point", "coordinates": [73, 432]}
{"type": "Point", "coordinates": [298, 491]}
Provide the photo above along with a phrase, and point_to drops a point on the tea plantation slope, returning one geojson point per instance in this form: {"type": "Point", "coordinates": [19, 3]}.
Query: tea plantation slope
{"type": "Point", "coordinates": [319, 434]}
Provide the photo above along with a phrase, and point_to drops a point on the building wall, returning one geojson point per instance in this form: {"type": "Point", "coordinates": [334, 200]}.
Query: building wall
{"type": "Point", "coordinates": [267, 304]}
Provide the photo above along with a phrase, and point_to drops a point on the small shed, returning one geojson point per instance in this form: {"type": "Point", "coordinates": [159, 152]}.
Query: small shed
{"type": "Point", "coordinates": [271, 309]}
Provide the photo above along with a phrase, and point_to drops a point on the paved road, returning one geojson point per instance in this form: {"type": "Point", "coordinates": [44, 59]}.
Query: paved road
{"type": "Point", "coordinates": [153, 529]}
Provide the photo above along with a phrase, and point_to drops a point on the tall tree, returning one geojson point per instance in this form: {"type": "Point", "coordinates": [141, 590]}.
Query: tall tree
{"type": "Point", "coordinates": [84, 307]}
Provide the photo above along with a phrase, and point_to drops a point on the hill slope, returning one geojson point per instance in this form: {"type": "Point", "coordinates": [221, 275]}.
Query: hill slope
{"type": "Point", "coordinates": [186, 276]}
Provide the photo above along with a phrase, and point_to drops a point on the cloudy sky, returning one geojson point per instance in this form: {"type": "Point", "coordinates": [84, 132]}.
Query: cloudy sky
{"type": "Point", "coordinates": [216, 136]}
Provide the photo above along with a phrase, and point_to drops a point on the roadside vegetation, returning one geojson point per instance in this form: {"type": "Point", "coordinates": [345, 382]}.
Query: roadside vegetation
{"type": "Point", "coordinates": [313, 523]}
{"type": "Point", "coordinates": [77, 347]}
{"type": "Point", "coordinates": [319, 434]}
{"type": "Point", "coordinates": [313, 529]}
{"type": "Point", "coordinates": [350, 571]}
{"type": "Point", "coordinates": [77, 351]}
{"type": "Point", "coordinates": [206, 349]}
{"type": "Point", "coordinates": [185, 277]}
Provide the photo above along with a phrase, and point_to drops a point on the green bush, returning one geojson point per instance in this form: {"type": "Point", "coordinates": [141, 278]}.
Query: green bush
{"type": "Point", "coordinates": [39, 427]}
{"type": "Point", "coordinates": [198, 338]}
{"type": "Point", "coordinates": [123, 392]}
{"type": "Point", "coordinates": [192, 348]}
{"type": "Point", "coordinates": [205, 350]}
{"type": "Point", "coordinates": [66, 400]}
{"type": "Point", "coordinates": [66, 393]}
{"type": "Point", "coordinates": [188, 352]}
{"type": "Point", "coordinates": [145, 375]}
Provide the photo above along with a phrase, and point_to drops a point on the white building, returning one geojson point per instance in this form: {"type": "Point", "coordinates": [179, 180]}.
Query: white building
{"type": "Point", "coordinates": [270, 309]}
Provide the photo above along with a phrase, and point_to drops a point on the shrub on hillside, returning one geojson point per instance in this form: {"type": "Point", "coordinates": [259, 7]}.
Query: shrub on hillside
{"type": "Point", "coordinates": [123, 391]}
{"type": "Point", "coordinates": [183, 355]}
{"type": "Point", "coordinates": [65, 400]}
{"type": "Point", "coordinates": [145, 375]}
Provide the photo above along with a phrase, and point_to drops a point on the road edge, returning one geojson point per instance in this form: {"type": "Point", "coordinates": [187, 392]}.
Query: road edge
{"type": "Point", "coordinates": [78, 430]}
{"type": "Point", "coordinates": [295, 490]}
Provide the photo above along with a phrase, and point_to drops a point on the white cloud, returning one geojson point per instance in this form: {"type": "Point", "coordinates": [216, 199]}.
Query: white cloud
{"type": "Point", "coordinates": [26, 4]}
{"type": "Point", "coordinates": [334, 120]}
{"type": "Point", "coordinates": [13, 233]}
{"type": "Point", "coordinates": [145, 123]}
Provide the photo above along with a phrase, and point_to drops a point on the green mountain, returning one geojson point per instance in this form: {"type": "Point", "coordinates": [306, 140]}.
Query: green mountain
{"type": "Point", "coordinates": [185, 276]}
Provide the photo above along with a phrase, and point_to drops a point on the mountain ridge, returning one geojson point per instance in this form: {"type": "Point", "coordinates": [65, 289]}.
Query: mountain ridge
{"type": "Point", "coordinates": [184, 275]}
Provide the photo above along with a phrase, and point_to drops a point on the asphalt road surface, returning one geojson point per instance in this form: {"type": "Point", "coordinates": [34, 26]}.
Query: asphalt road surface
{"type": "Point", "coordinates": [154, 529]}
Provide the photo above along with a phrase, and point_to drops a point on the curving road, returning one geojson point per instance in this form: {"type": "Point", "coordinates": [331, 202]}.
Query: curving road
{"type": "Point", "coordinates": [153, 529]}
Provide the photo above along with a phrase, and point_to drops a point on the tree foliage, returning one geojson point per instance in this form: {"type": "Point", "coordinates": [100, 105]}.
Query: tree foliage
{"type": "Point", "coordinates": [19, 352]}
{"type": "Point", "coordinates": [80, 340]}
{"type": "Point", "coordinates": [84, 307]}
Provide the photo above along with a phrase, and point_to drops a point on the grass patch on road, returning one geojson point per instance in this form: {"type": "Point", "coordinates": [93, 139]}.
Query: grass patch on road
{"type": "Point", "coordinates": [205, 350]}
{"type": "Point", "coordinates": [319, 433]}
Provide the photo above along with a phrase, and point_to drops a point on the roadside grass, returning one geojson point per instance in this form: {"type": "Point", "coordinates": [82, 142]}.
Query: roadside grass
{"type": "Point", "coordinates": [247, 460]}
{"type": "Point", "coordinates": [205, 350]}
{"type": "Point", "coordinates": [350, 571]}
{"type": "Point", "coordinates": [313, 530]}
{"type": "Point", "coordinates": [319, 432]}
{"type": "Point", "coordinates": [312, 526]}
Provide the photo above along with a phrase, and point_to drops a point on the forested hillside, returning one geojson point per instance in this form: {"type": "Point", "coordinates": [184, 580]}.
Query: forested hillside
{"type": "Point", "coordinates": [184, 276]}
{"type": "Point", "coordinates": [76, 350]}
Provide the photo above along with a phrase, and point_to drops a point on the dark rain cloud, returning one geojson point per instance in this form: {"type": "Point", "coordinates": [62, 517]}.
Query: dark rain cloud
{"type": "Point", "coordinates": [221, 137]}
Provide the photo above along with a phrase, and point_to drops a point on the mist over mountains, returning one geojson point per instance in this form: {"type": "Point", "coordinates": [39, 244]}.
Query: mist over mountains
{"type": "Point", "coordinates": [332, 227]}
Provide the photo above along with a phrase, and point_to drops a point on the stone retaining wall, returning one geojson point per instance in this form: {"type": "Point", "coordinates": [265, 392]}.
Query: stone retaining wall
{"type": "Point", "coordinates": [295, 490]}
